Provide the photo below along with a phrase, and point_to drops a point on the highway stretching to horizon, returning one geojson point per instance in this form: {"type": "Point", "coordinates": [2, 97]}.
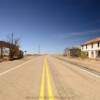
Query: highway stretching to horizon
{"type": "Point", "coordinates": [47, 78]}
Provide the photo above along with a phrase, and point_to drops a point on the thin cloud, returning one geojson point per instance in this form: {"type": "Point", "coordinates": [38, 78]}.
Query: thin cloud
{"type": "Point", "coordinates": [82, 34]}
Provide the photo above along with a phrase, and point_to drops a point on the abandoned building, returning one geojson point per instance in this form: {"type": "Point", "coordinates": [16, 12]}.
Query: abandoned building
{"type": "Point", "coordinates": [7, 48]}
{"type": "Point", "coordinates": [74, 52]}
{"type": "Point", "coordinates": [92, 48]}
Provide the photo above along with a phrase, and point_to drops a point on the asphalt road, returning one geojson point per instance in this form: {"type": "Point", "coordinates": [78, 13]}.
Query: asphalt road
{"type": "Point", "coordinates": [47, 78]}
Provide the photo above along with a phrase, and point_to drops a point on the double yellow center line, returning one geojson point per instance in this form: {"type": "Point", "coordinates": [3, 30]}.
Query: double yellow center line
{"type": "Point", "coordinates": [46, 77]}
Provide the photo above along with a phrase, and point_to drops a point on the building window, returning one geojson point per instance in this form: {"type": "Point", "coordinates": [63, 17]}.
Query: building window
{"type": "Point", "coordinates": [82, 47]}
{"type": "Point", "coordinates": [86, 46]}
{"type": "Point", "coordinates": [98, 44]}
{"type": "Point", "coordinates": [92, 45]}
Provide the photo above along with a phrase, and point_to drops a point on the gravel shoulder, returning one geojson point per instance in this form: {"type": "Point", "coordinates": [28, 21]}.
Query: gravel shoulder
{"type": "Point", "coordinates": [88, 64]}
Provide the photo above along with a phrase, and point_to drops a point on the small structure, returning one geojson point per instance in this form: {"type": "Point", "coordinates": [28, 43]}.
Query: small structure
{"type": "Point", "coordinates": [74, 52]}
{"type": "Point", "coordinates": [92, 48]}
{"type": "Point", "coordinates": [7, 49]}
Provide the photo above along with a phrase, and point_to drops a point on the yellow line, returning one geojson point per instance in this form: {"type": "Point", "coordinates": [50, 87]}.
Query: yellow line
{"type": "Point", "coordinates": [46, 74]}
{"type": "Point", "coordinates": [42, 83]}
{"type": "Point", "coordinates": [48, 77]}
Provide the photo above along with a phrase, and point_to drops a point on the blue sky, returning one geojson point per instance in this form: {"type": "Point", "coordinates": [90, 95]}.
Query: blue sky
{"type": "Point", "coordinates": [52, 24]}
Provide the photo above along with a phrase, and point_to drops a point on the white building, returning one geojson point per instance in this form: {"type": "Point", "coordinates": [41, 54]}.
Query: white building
{"type": "Point", "coordinates": [92, 48]}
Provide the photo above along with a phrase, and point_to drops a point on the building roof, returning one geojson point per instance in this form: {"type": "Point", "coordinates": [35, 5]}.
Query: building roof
{"type": "Point", "coordinates": [92, 41]}
{"type": "Point", "coordinates": [7, 44]}
{"type": "Point", "coordinates": [73, 48]}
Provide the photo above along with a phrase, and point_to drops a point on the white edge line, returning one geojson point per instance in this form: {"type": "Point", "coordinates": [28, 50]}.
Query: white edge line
{"type": "Point", "coordinates": [11, 69]}
{"type": "Point", "coordinates": [93, 74]}
{"type": "Point", "coordinates": [90, 73]}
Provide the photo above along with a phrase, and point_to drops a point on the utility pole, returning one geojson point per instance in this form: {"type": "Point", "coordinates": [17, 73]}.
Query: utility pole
{"type": "Point", "coordinates": [12, 38]}
{"type": "Point", "coordinates": [39, 49]}
{"type": "Point", "coordinates": [11, 47]}
{"type": "Point", "coordinates": [1, 56]}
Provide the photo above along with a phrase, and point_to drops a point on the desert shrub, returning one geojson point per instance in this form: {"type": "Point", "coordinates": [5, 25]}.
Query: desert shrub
{"type": "Point", "coordinates": [84, 54]}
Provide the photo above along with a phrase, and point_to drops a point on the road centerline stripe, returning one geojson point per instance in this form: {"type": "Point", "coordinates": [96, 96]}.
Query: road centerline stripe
{"type": "Point", "coordinates": [42, 95]}
{"type": "Point", "coordinates": [48, 77]}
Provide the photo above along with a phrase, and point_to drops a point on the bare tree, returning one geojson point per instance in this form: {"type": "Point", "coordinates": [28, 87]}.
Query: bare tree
{"type": "Point", "coordinates": [14, 45]}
